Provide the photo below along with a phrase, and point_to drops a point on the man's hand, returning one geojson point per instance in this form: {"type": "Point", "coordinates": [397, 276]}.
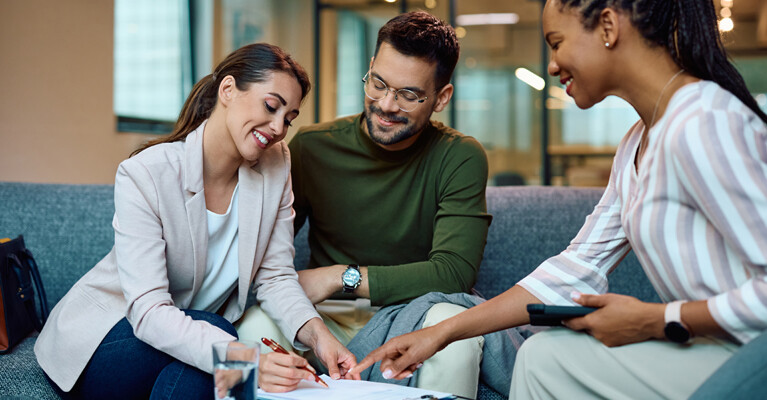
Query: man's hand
{"type": "Point", "coordinates": [321, 282]}
{"type": "Point", "coordinates": [620, 319]}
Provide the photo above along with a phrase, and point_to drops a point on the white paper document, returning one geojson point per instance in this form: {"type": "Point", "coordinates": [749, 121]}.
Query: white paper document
{"type": "Point", "coordinates": [351, 390]}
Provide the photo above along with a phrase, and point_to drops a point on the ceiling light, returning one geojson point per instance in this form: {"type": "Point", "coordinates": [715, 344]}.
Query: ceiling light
{"type": "Point", "coordinates": [527, 76]}
{"type": "Point", "coordinates": [726, 24]}
{"type": "Point", "coordinates": [726, 12]}
{"type": "Point", "coordinates": [487, 19]}
{"type": "Point", "coordinates": [726, 3]}
{"type": "Point", "coordinates": [430, 3]}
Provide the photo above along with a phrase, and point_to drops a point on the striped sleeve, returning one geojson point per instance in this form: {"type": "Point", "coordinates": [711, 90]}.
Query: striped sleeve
{"type": "Point", "coordinates": [599, 246]}
{"type": "Point", "coordinates": [720, 159]}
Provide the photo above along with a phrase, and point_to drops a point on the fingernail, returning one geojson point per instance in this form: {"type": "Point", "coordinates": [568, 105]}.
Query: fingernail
{"type": "Point", "coordinates": [410, 375]}
{"type": "Point", "coordinates": [387, 374]}
{"type": "Point", "coordinates": [575, 295]}
{"type": "Point", "coordinates": [419, 365]}
{"type": "Point", "coordinates": [335, 377]}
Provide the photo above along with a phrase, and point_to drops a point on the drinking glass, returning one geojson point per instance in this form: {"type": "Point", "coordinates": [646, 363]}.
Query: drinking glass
{"type": "Point", "coordinates": [235, 365]}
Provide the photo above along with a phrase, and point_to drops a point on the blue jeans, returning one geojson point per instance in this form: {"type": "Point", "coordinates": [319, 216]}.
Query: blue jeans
{"type": "Point", "coordinates": [124, 367]}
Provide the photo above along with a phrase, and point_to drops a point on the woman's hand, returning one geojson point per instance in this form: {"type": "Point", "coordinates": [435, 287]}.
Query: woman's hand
{"type": "Point", "coordinates": [320, 283]}
{"type": "Point", "coordinates": [281, 372]}
{"type": "Point", "coordinates": [619, 320]}
{"type": "Point", "coordinates": [337, 358]}
{"type": "Point", "coordinates": [401, 356]}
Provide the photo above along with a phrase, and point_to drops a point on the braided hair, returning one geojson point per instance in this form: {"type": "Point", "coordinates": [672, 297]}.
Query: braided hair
{"type": "Point", "coordinates": [687, 29]}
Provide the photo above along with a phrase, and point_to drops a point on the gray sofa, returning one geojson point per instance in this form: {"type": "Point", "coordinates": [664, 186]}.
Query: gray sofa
{"type": "Point", "coordinates": [68, 229]}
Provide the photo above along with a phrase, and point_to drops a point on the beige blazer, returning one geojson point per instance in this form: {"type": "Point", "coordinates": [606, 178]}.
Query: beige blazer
{"type": "Point", "coordinates": [157, 264]}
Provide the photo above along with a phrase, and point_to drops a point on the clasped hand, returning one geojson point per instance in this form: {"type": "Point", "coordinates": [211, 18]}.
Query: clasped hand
{"type": "Point", "coordinates": [619, 319]}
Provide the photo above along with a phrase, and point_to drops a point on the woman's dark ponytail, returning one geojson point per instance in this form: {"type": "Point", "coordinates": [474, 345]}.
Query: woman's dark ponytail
{"type": "Point", "coordinates": [686, 28]}
{"type": "Point", "coordinates": [249, 64]}
{"type": "Point", "coordinates": [197, 108]}
{"type": "Point", "coordinates": [696, 46]}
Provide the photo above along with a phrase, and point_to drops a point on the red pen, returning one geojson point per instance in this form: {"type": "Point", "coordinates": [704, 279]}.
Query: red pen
{"type": "Point", "coordinates": [279, 349]}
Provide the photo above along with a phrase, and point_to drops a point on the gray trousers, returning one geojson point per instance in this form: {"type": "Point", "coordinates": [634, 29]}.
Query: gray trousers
{"type": "Point", "coordinates": [562, 364]}
{"type": "Point", "coordinates": [743, 376]}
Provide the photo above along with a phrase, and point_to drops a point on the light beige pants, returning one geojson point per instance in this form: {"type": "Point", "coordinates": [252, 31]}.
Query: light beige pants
{"type": "Point", "coordinates": [562, 364]}
{"type": "Point", "coordinates": [454, 370]}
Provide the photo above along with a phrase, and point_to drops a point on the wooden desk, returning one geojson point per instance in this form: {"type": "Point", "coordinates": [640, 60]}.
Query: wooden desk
{"type": "Point", "coordinates": [581, 150]}
{"type": "Point", "coordinates": [570, 155]}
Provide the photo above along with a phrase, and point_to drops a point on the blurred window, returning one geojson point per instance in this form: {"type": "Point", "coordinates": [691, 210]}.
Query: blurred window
{"type": "Point", "coordinates": [353, 61]}
{"type": "Point", "coordinates": [500, 82]}
{"type": "Point", "coordinates": [752, 68]}
{"type": "Point", "coordinates": [152, 63]}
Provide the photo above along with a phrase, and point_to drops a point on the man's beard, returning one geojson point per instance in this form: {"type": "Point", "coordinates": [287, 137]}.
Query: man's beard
{"type": "Point", "coordinates": [407, 131]}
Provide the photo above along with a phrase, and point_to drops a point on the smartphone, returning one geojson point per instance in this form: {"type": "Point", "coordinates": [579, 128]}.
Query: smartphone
{"type": "Point", "coordinates": [547, 315]}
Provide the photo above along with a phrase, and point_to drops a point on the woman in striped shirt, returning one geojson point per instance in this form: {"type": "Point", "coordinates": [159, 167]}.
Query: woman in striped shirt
{"type": "Point", "coordinates": [688, 193]}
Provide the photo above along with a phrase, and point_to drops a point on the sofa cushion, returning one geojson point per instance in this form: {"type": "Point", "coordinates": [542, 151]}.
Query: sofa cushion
{"type": "Point", "coordinates": [533, 223]}
{"type": "Point", "coordinates": [68, 228]}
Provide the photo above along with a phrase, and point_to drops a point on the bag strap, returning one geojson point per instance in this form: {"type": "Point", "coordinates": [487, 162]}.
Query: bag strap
{"type": "Point", "coordinates": [25, 292]}
{"type": "Point", "coordinates": [44, 310]}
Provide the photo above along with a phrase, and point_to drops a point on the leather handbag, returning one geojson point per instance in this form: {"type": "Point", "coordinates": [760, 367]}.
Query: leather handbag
{"type": "Point", "coordinates": [18, 314]}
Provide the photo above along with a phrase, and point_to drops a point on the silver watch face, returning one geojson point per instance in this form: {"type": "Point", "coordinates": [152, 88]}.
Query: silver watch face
{"type": "Point", "coordinates": [351, 277]}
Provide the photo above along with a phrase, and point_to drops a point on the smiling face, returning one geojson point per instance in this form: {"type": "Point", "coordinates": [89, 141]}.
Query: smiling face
{"type": "Point", "coordinates": [259, 117]}
{"type": "Point", "coordinates": [578, 56]}
{"type": "Point", "coordinates": [387, 125]}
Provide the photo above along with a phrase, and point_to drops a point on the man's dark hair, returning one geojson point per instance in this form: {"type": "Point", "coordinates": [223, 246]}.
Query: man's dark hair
{"type": "Point", "coordinates": [420, 34]}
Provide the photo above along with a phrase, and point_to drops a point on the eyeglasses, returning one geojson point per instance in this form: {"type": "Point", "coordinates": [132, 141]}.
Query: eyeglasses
{"type": "Point", "coordinates": [376, 90]}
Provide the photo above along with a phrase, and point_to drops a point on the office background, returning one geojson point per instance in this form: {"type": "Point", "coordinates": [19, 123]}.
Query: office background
{"type": "Point", "coordinates": [84, 82]}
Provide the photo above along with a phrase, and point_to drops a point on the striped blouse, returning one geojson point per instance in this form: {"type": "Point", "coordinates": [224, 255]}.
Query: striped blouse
{"type": "Point", "coordinates": [695, 214]}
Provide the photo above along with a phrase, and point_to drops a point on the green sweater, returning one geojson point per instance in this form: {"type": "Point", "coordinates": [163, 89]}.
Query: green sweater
{"type": "Point", "coordinates": [416, 217]}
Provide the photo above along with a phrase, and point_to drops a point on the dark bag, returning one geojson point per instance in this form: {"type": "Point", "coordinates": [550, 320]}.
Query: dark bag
{"type": "Point", "coordinates": [18, 316]}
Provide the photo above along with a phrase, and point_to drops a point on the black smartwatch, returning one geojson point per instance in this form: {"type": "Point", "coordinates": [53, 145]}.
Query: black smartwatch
{"type": "Point", "coordinates": [351, 278]}
{"type": "Point", "coordinates": [675, 330]}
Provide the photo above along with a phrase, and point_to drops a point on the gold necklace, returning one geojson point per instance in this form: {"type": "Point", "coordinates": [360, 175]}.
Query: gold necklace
{"type": "Point", "coordinates": [645, 138]}
{"type": "Point", "coordinates": [660, 96]}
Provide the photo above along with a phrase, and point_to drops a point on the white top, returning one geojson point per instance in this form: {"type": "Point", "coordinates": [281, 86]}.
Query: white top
{"type": "Point", "coordinates": [695, 214]}
{"type": "Point", "coordinates": [158, 262]}
{"type": "Point", "coordinates": [221, 267]}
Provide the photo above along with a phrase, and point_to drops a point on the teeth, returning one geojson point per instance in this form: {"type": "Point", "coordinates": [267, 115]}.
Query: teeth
{"type": "Point", "coordinates": [261, 138]}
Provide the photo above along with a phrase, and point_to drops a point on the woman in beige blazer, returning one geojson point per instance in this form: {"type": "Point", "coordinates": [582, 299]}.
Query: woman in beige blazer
{"type": "Point", "coordinates": [141, 323]}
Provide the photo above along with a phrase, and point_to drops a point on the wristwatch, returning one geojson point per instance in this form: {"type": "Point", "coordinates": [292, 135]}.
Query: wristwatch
{"type": "Point", "coordinates": [675, 329]}
{"type": "Point", "coordinates": [351, 278]}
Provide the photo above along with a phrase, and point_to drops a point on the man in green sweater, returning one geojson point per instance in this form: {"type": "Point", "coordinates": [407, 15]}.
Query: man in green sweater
{"type": "Point", "coordinates": [395, 202]}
